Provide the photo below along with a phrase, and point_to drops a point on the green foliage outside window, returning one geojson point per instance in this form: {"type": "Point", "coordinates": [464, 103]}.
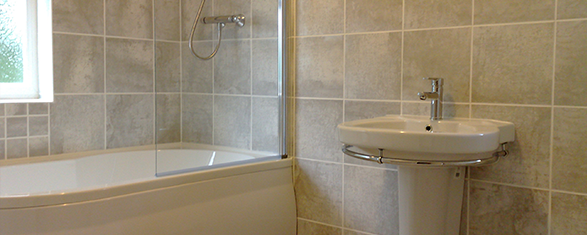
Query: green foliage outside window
{"type": "Point", "coordinates": [11, 61]}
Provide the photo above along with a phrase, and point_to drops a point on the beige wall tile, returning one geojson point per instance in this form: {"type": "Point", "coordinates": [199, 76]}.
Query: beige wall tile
{"type": "Point", "coordinates": [38, 108]}
{"type": "Point", "coordinates": [129, 121]}
{"type": "Point", "coordinates": [167, 20]}
{"type": "Point", "coordinates": [310, 228]}
{"type": "Point", "coordinates": [569, 9]}
{"type": "Point", "coordinates": [265, 124]}
{"type": "Point", "coordinates": [264, 67]}
{"type": "Point", "coordinates": [16, 127]}
{"type": "Point", "coordinates": [497, 209]}
{"type": "Point", "coordinates": [571, 57]}
{"type": "Point", "coordinates": [319, 67]}
{"type": "Point", "coordinates": [373, 66]}
{"type": "Point", "coordinates": [2, 149]}
{"type": "Point", "coordinates": [437, 53]}
{"type": "Point", "coordinates": [2, 129]}
{"type": "Point", "coordinates": [197, 118]}
{"type": "Point", "coordinates": [370, 195]}
{"type": "Point", "coordinates": [78, 64]}
{"type": "Point", "coordinates": [167, 63]}
{"type": "Point", "coordinates": [373, 15]}
{"type": "Point", "coordinates": [38, 126]}
{"type": "Point", "coordinates": [355, 110]}
{"type": "Point", "coordinates": [38, 146]}
{"type": "Point", "coordinates": [569, 213]}
{"type": "Point", "coordinates": [513, 64]}
{"type": "Point", "coordinates": [129, 65]}
{"type": "Point", "coordinates": [17, 109]}
{"type": "Point", "coordinates": [232, 68]}
{"type": "Point", "coordinates": [354, 232]}
{"type": "Point", "coordinates": [264, 18]}
{"type": "Point", "coordinates": [232, 121]}
{"type": "Point", "coordinates": [168, 117]}
{"type": "Point", "coordinates": [437, 13]}
{"type": "Point", "coordinates": [569, 159]}
{"type": "Point", "coordinates": [316, 122]}
{"type": "Point", "coordinates": [75, 16]}
{"type": "Point", "coordinates": [508, 11]}
{"type": "Point", "coordinates": [318, 187]}
{"type": "Point", "coordinates": [529, 158]}
{"type": "Point", "coordinates": [319, 17]}
{"type": "Point", "coordinates": [423, 109]}
{"type": "Point", "coordinates": [189, 8]}
{"type": "Point", "coordinates": [129, 18]}
{"type": "Point", "coordinates": [16, 148]}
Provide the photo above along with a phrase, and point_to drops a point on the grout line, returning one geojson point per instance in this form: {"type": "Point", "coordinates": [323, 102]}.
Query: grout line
{"type": "Point", "coordinates": [105, 146]}
{"type": "Point", "coordinates": [552, 96]}
{"type": "Point", "coordinates": [344, 96]}
{"type": "Point", "coordinates": [251, 87]}
{"type": "Point", "coordinates": [5, 133]}
{"type": "Point", "coordinates": [334, 226]}
{"type": "Point", "coordinates": [468, 169]}
{"type": "Point", "coordinates": [28, 131]}
{"type": "Point", "coordinates": [510, 185]}
{"type": "Point", "coordinates": [180, 72]}
{"type": "Point", "coordinates": [401, 78]}
{"type": "Point", "coordinates": [154, 93]}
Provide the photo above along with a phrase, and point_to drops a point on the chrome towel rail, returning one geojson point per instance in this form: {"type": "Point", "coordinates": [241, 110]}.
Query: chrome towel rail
{"type": "Point", "coordinates": [425, 163]}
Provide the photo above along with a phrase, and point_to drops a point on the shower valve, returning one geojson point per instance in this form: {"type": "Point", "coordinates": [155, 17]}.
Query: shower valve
{"type": "Point", "coordinates": [239, 19]}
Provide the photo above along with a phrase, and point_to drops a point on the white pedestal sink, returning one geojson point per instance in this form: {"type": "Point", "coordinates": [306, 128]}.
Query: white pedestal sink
{"type": "Point", "coordinates": [432, 156]}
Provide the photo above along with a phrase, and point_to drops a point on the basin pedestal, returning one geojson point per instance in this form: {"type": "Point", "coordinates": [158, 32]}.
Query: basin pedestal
{"type": "Point", "coordinates": [430, 200]}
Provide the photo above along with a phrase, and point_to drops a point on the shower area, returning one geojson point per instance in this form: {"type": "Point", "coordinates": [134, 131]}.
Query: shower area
{"type": "Point", "coordinates": [218, 79]}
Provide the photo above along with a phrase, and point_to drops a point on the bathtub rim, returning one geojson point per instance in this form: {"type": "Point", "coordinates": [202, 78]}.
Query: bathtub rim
{"type": "Point", "coordinates": [36, 201]}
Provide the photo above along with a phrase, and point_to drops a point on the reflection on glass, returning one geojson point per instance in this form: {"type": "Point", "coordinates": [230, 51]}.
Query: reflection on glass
{"type": "Point", "coordinates": [12, 38]}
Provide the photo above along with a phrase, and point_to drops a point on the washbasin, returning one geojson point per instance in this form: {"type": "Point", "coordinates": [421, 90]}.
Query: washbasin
{"type": "Point", "coordinates": [418, 137]}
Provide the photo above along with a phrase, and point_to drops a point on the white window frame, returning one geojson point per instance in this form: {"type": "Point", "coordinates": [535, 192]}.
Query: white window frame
{"type": "Point", "coordinates": [37, 85]}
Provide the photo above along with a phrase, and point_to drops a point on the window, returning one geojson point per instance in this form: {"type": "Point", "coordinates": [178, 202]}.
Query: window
{"type": "Point", "coordinates": [26, 56]}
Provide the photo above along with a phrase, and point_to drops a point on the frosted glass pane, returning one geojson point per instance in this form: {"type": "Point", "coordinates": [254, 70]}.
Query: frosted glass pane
{"type": "Point", "coordinates": [12, 38]}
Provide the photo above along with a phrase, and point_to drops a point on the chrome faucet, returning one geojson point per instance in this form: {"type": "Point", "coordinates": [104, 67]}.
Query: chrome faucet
{"type": "Point", "coordinates": [435, 97]}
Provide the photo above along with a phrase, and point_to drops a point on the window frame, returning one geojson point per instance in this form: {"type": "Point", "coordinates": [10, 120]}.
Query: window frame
{"type": "Point", "coordinates": [38, 70]}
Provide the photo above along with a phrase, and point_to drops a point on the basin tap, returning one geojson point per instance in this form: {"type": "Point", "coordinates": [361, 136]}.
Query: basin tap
{"type": "Point", "coordinates": [435, 97]}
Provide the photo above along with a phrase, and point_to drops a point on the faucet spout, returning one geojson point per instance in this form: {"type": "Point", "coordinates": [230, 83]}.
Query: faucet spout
{"type": "Point", "coordinates": [435, 97]}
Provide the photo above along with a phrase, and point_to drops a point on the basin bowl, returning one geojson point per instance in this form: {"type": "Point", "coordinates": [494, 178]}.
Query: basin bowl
{"type": "Point", "coordinates": [418, 137]}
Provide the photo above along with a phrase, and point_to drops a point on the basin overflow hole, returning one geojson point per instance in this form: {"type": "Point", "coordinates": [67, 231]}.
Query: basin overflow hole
{"type": "Point", "coordinates": [428, 128]}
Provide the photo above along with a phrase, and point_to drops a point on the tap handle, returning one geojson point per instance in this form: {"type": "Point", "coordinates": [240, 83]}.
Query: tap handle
{"type": "Point", "coordinates": [436, 82]}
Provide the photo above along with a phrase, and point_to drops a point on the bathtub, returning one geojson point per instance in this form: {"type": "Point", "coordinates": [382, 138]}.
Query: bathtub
{"type": "Point", "coordinates": [181, 191]}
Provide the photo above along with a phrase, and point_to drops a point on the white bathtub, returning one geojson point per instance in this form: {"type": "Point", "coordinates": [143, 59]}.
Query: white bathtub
{"type": "Point", "coordinates": [120, 193]}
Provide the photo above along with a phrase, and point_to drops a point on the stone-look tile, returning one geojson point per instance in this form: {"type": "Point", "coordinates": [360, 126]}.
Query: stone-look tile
{"type": "Point", "coordinates": [167, 20]}
{"type": "Point", "coordinates": [439, 54]}
{"type": "Point", "coordinates": [77, 123]}
{"type": "Point", "coordinates": [318, 187]}
{"type": "Point", "coordinates": [2, 150]}
{"type": "Point", "coordinates": [16, 127]}
{"type": "Point", "coordinates": [129, 18]}
{"type": "Point", "coordinates": [439, 13]}
{"type": "Point", "coordinates": [319, 17]}
{"type": "Point", "coordinates": [38, 126]}
{"type": "Point", "coordinates": [197, 75]}
{"type": "Point", "coordinates": [265, 124]}
{"type": "Point", "coordinates": [370, 195]}
{"type": "Point", "coordinates": [569, 213]}
{"type": "Point", "coordinates": [464, 228]}
{"type": "Point", "coordinates": [168, 118]}
{"type": "Point", "coordinates": [528, 161]}
{"type": "Point", "coordinates": [309, 228]}
{"type": "Point", "coordinates": [234, 7]}
{"type": "Point", "coordinates": [197, 118]}
{"type": "Point", "coordinates": [507, 11]}
{"type": "Point", "coordinates": [167, 72]}
{"type": "Point", "coordinates": [232, 68]}
{"type": "Point", "coordinates": [569, 9]}
{"type": "Point", "coordinates": [319, 67]}
{"type": "Point", "coordinates": [1, 110]}
{"type": "Point", "coordinates": [513, 64]}
{"type": "Point", "coordinates": [316, 122]}
{"type": "Point", "coordinates": [373, 15]}
{"type": "Point", "coordinates": [189, 8]}
{"type": "Point", "coordinates": [570, 150]}
{"type": "Point", "coordinates": [265, 67]}
{"type": "Point", "coordinates": [2, 125]}
{"type": "Point", "coordinates": [17, 109]}
{"type": "Point", "coordinates": [75, 16]}
{"type": "Point", "coordinates": [38, 146]}
{"type": "Point", "coordinates": [264, 18]}
{"type": "Point", "coordinates": [496, 209]}
{"type": "Point", "coordinates": [373, 66]}
{"type": "Point", "coordinates": [38, 108]}
{"type": "Point", "coordinates": [16, 148]}
{"type": "Point", "coordinates": [232, 121]}
{"type": "Point", "coordinates": [78, 65]}
{"type": "Point", "coordinates": [129, 120]}
{"type": "Point", "coordinates": [448, 110]}
{"type": "Point", "coordinates": [571, 57]}
{"type": "Point", "coordinates": [129, 65]}
{"type": "Point", "coordinates": [355, 110]}
{"type": "Point", "coordinates": [352, 232]}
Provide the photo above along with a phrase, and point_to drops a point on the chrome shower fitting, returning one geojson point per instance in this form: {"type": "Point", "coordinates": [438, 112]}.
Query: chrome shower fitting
{"type": "Point", "coordinates": [239, 20]}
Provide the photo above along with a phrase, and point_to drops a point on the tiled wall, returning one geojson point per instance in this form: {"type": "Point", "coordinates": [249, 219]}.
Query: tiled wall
{"type": "Point", "coordinates": [111, 56]}
{"type": "Point", "coordinates": [231, 100]}
{"type": "Point", "coordinates": [518, 61]}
